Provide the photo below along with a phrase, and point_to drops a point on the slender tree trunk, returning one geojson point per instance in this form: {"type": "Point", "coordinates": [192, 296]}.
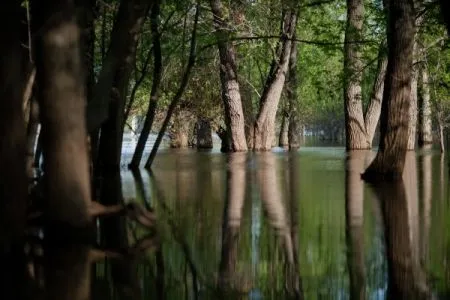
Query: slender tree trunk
{"type": "Point", "coordinates": [61, 97]}
{"type": "Point", "coordinates": [425, 131]}
{"type": "Point", "coordinates": [445, 11]}
{"type": "Point", "coordinates": [356, 136]}
{"type": "Point", "coordinates": [390, 159]}
{"type": "Point", "coordinates": [441, 138]}
{"type": "Point", "coordinates": [110, 148]}
{"type": "Point", "coordinates": [154, 93]}
{"type": "Point", "coordinates": [291, 91]}
{"type": "Point", "coordinates": [374, 110]}
{"type": "Point", "coordinates": [177, 97]}
{"type": "Point", "coordinates": [283, 140]}
{"type": "Point", "coordinates": [13, 181]}
{"type": "Point", "coordinates": [231, 95]}
{"type": "Point", "coordinates": [265, 121]}
{"type": "Point", "coordinates": [127, 25]}
{"type": "Point", "coordinates": [32, 134]}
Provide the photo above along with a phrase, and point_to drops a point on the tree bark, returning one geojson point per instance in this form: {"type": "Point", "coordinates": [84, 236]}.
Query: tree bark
{"type": "Point", "coordinates": [154, 93]}
{"type": "Point", "coordinates": [130, 18]}
{"type": "Point", "coordinates": [265, 121]}
{"type": "Point", "coordinates": [283, 140]}
{"type": "Point", "coordinates": [374, 110]}
{"type": "Point", "coordinates": [291, 91]}
{"type": "Point", "coordinates": [390, 159]}
{"type": "Point", "coordinates": [13, 181]}
{"type": "Point", "coordinates": [231, 95]}
{"type": "Point", "coordinates": [425, 129]}
{"type": "Point", "coordinates": [32, 134]}
{"type": "Point", "coordinates": [445, 11]}
{"type": "Point", "coordinates": [355, 131]}
{"type": "Point", "coordinates": [61, 97]}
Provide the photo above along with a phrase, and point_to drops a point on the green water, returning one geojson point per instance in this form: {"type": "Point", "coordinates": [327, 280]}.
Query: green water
{"type": "Point", "coordinates": [288, 225]}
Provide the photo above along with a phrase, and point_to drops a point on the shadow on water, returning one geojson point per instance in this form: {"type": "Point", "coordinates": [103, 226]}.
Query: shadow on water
{"type": "Point", "coordinates": [255, 226]}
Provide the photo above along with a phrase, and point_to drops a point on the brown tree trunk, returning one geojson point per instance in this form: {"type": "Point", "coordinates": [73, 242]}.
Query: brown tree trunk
{"type": "Point", "coordinates": [231, 96]}
{"type": "Point", "coordinates": [355, 131]}
{"type": "Point", "coordinates": [110, 147]}
{"type": "Point", "coordinates": [265, 121]}
{"type": "Point", "coordinates": [374, 110]}
{"type": "Point", "coordinates": [425, 129]}
{"type": "Point", "coordinates": [204, 134]}
{"type": "Point", "coordinates": [61, 97]}
{"type": "Point", "coordinates": [154, 93]}
{"type": "Point", "coordinates": [13, 181]}
{"type": "Point", "coordinates": [283, 140]}
{"type": "Point", "coordinates": [291, 91]}
{"type": "Point", "coordinates": [445, 11]}
{"type": "Point", "coordinates": [127, 25]}
{"type": "Point", "coordinates": [390, 159]}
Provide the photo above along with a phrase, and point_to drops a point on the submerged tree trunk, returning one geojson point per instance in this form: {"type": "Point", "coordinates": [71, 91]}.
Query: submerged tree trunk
{"type": "Point", "coordinates": [154, 93]}
{"type": "Point", "coordinates": [127, 25]}
{"type": "Point", "coordinates": [204, 134]}
{"type": "Point", "coordinates": [110, 148]}
{"type": "Point", "coordinates": [265, 121]}
{"type": "Point", "coordinates": [231, 95]}
{"type": "Point", "coordinates": [356, 137]}
{"type": "Point", "coordinates": [61, 99]}
{"type": "Point", "coordinates": [283, 140]}
{"type": "Point", "coordinates": [291, 91]}
{"type": "Point", "coordinates": [425, 129]}
{"type": "Point", "coordinates": [374, 110]}
{"type": "Point", "coordinates": [13, 181]}
{"type": "Point", "coordinates": [390, 159]}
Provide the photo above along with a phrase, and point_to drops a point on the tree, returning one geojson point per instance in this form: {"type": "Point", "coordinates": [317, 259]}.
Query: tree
{"type": "Point", "coordinates": [231, 95]}
{"type": "Point", "coordinates": [390, 159]}
{"type": "Point", "coordinates": [354, 118]}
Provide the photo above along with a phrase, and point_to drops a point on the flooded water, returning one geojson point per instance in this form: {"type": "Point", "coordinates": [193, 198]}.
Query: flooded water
{"type": "Point", "coordinates": [272, 226]}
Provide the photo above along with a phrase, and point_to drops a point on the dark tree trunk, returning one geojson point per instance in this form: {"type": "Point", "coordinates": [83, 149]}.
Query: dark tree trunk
{"type": "Point", "coordinates": [355, 131]}
{"type": "Point", "coordinates": [127, 26]}
{"type": "Point", "coordinates": [283, 140]}
{"type": "Point", "coordinates": [231, 96]}
{"type": "Point", "coordinates": [265, 121]}
{"type": "Point", "coordinates": [110, 147]}
{"type": "Point", "coordinates": [374, 110]}
{"type": "Point", "coordinates": [32, 134]}
{"type": "Point", "coordinates": [425, 126]}
{"type": "Point", "coordinates": [13, 181]}
{"type": "Point", "coordinates": [291, 91]}
{"type": "Point", "coordinates": [204, 134]}
{"type": "Point", "coordinates": [390, 158]}
{"type": "Point", "coordinates": [445, 11]}
{"type": "Point", "coordinates": [61, 98]}
{"type": "Point", "coordinates": [154, 93]}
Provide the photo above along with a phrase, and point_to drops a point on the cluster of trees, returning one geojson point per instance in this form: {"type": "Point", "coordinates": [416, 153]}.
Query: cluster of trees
{"type": "Point", "coordinates": [81, 68]}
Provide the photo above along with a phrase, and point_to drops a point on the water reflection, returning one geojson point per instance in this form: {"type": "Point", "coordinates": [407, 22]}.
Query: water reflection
{"type": "Point", "coordinates": [255, 226]}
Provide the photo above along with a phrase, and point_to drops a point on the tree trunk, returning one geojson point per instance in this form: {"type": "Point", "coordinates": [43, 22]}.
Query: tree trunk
{"type": "Point", "coordinates": [445, 11]}
{"type": "Point", "coordinates": [291, 91]}
{"type": "Point", "coordinates": [127, 25]}
{"type": "Point", "coordinates": [231, 96]}
{"type": "Point", "coordinates": [355, 131]}
{"type": "Point", "coordinates": [110, 148]}
{"type": "Point", "coordinates": [441, 138]}
{"type": "Point", "coordinates": [265, 121]}
{"type": "Point", "coordinates": [425, 129]}
{"type": "Point", "coordinates": [283, 140]}
{"type": "Point", "coordinates": [374, 110]}
{"type": "Point", "coordinates": [61, 99]}
{"type": "Point", "coordinates": [390, 159]}
{"type": "Point", "coordinates": [32, 134]}
{"type": "Point", "coordinates": [204, 134]}
{"type": "Point", "coordinates": [13, 181]}
{"type": "Point", "coordinates": [154, 93]}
